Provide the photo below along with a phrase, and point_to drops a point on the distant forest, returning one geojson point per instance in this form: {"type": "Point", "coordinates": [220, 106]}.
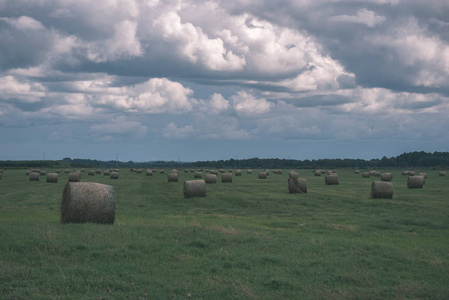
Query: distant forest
{"type": "Point", "coordinates": [405, 160]}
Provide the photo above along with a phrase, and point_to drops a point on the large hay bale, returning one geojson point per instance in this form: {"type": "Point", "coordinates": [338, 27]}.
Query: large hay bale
{"type": "Point", "coordinates": [372, 172]}
{"type": "Point", "coordinates": [91, 173]}
{"type": "Point", "coordinates": [357, 172]}
{"type": "Point", "coordinates": [194, 188]}
{"type": "Point", "coordinates": [88, 202]}
{"type": "Point", "coordinates": [297, 185]}
{"type": "Point", "coordinates": [317, 173]}
{"type": "Point", "coordinates": [221, 170]}
{"type": "Point", "coordinates": [365, 175]}
{"type": "Point", "coordinates": [28, 172]}
{"type": "Point", "coordinates": [381, 189]}
{"type": "Point", "coordinates": [331, 180]}
{"type": "Point", "coordinates": [293, 174]}
{"type": "Point", "coordinates": [34, 176]}
{"type": "Point", "coordinates": [249, 171]}
{"type": "Point", "coordinates": [386, 177]}
{"type": "Point", "coordinates": [405, 172]}
{"type": "Point", "coordinates": [442, 173]}
{"type": "Point", "coordinates": [114, 175]}
{"type": "Point", "coordinates": [172, 177]}
{"type": "Point", "coordinates": [74, 177]}
{"type": "Point", "coordinates": [215, 172]}
{"type": "Point", "coordinates": [423, 174]}
{"type": "Point", "coordinates": [107, 173]}
{"type": "Point", "coordinates": [415, 182]}
{"type": "Point", "coordinates": [411, 173]}
{"type": "Point", "coordinates": [238, 172]}
{"type": "Point", "coordinates": [198, 175]}
{"type": "Point", "coordinates": [163, 172]}
{"type": "Point", "coordinates": [262, 175]}
{"type": "Point", "coordinates": [226, 177]}
{"type": "Point", "coordinates": [174, 171]}
{"type": "Point", "coordinates": [211, 178]}
{"type": "Point", "coordinates": [376, 174]}
{"type": "Point", "coordinates": [149, 172]}
{"type": "Point", "coordinates": [52, 177]}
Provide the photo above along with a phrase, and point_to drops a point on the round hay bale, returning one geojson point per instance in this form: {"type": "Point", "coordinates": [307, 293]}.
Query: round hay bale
{"type": "Point", "coordinates": [376, 173]}
{"type": "Point", "coordinates": [211, 178]}
{"type": "Point", "coordinates": [381, 189]}
{"type": "Point", "coordinates": [115, 170]}
{"type": "Point", "coordinates": [97, 171]}
{"type": "Point", "coordinates": [186, 171]}
{"type": "Point", "coordinates": [331, 180]}
{"type": "Point", "coordinates": [91, 173]}
{"type": "Point", "coordinates": [66, 171]}
{"type": "Point", "coordinates": [297, 185]}
{"type": "Point", "coordinates": [238, 172]}
{"type": "Point", "coordinates": [221, 170]}
{"type": "Point", "coordinates": [266, 171]}
{"type": "Point", "coordinates": [293, 174]}
{"type": "Point", "coordinates": [423, 174]}
{"type": "Point", "coordinates": [174, 171]}
{"type": "Point", "coordinates": [263, 175]}
{"type": "Point", "coordinates": [198, 175]}
{"type": "Point", "coordinates": [249, 171]}
{"type": "Point", "coordinates": [58, 171]}
{"type": "Point", "coordinates": [34, 176]}
{"type": "Point", "coordinates": [405, 172]}
{"type": "Point", "coordinates": [139, 171]}
{"type": "Point", "coordinates": [88, 202]}
{"type": "Point", "coordinates": [149, 172]}
{"type": "Point", "coordinates": [386, 177]}
{"type": "Point", "coordinates": [411, 173]}
{"type": "Point", "coordinates": [114, 175]}
{"type": "Point", "coordinates": [74, 177]}
{"type": "Point", "coordinates": [28, 172]}
{"type": "Point", "coordinates": [172, 177]}
{"type": "Point", "coordinates": [163, 172]}
{"type": "Point", "coordinates": [194, 188]}
{"type": "Point", "coordinates": [442, 173]}
{"type": "Point", "coordinates": [365, 175]}
{"type": "Point", "coordinates": [52, 177]}
{"type": "Point", "coordinates": [357, 172]}
{"type": "Point", "coordinates": [323, 171]}
{"type": "Point", "coordinates": [107, 173]}
{"type": "Point", "coordinates": [317, 173]}
{"type": "Point", "coordinates": [226, 177]}
{"type": "Point", "coordinates": [415, 182]}
{"type": "Point", "coordinates": [43, 172]}
{"type": "Point", "coordinates": [215, 172]}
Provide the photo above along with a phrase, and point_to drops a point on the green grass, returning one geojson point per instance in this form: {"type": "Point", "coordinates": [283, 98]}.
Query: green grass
{"type": "Point", "coordinates": [248, 239]}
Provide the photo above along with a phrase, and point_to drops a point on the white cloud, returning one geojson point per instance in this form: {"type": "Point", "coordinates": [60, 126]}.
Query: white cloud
{"type": "Point", "coordinates": [24, 91]}
{"type": "Point", "coordinates": [119, 126]}
{"type": "Point", "coordinates": [24, 23]}
{"type": "Point", "coordinates": [363, 16]}
{"type": "Point", "coordinates": [247, 105]}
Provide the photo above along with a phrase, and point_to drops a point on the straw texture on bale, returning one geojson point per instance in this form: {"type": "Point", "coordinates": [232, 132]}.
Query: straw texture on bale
{"type": "Point", "coordinates": [172, 177]}
{"type": "Point", "coordinates": [442, 173]}
{"type": "Point", "coordinates": [114, 175]}
{"type": "Point", "coordinates": [249, 171]}
{"type": "Point", "coordinates": [149, 172]}
{"type": "Point", "coordinates": [215, 172]}
{"type": "Point", "coordinates": [107, 173]}
{"type": "Point", "coordinates": [423, 174]}
{"type": "Point", "coordinates": [211, 178]}
{"type": "Point", "coordinates": [297, 185]}
{"type": "Point", "coordinates": [74, 177]}
{"type": "Point", "coordinates": [52, 177]}
{"type": "Point", "coordinates": [238, 172]}
{"type": "Point", "coordinates": [88, 202]}
{"type": "Point", "coordinates": [262, 175]}
{"type": "Point", "coordinates": [331, 180]}
{"type": "Point", "coordinates": [415, 182]}
{"type": "Point", "coordinates": [381, 189]}
{"type": "Point", "coordinates": [376, 173]}
{"type": "Point", "coordinates": [386, 177]}
{"type": "Point", "coordinates": [174, 171]}
{"type": "Point", "coordinates": [198, 175]}
{"type": "Point", "coordinates": [194, 188]}
{"type": "Point", "coordinates": [404, 172]}
{"type": "Point", "coordinates": [34, 176]}
{"type": "Point", "coordinates": [365, 174]}
{"type": "Point", "coordinates": [372, 172]}
{"type": "Point", "coordinates": [293, 174]}
{"type": "Point", "coordinates": [91, 173]}
{"type": "Point", "coordinates": [226, 177]}
{"type": "Point", "coordinates": [317, 173]}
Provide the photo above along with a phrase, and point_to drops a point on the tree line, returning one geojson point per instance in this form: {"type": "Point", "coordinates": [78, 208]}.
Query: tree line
{"type": "Point", "coordinates": [404, 160]}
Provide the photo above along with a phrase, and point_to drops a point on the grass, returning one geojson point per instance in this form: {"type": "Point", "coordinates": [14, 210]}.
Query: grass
{"type": "Point", "coordinates": [248, 239]}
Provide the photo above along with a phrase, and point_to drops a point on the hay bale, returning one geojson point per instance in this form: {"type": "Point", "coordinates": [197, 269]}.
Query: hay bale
{"type": "Point", "coordinates": [267, 171]}
{"type": "Point", "coordinates": [365, 175]}
{"type": "Point", "coordinates": [226, 177]}
{"type": "Point", "coordinates": [198, 175]}
{"type": "Point", "coordinates": [88, 202]}
{"type": "Point", "coordinates": [331, 180]}
{"type": "Point", "coordinates": [381, 189]}
{"type": "Point", "coordinates": [262, 175]}
{"type": "Point", "coordinates": [357, 172]}
{"type": "Point", "coordinates": [215, 172]}
{"type": "Point", "coordinates": [172, 177]}
{"type": "Point", "coordinates": [52, 177]}
{"type": "Point", "coordinates": [66, 171]}
{"type": "Point", "coordinates": [404, 172]}
{"type": "Point", "coordinates": [423, 174]}
{"type": "Point", "coordinates": [297, 185]}
{"type": "Point", "coordinates": [91, 173]}
{"type": "Point", "coordinates": [376, 174]}
{"type": "Point", "coordinates": [43, 172]}
{"type": "Point", "coordinates": [221, 170]}
{"type": "Point", "coordinates": [194, 188]}
{"type": "Point", "coordinates": [74, 177]}
{"type": "Point", "coordinates": [415, 182]}
{"type": "Point", "coordinates": [442, 173]}
{"type": "Point", "coordinates": [249, 171]}
{"type": "Point", "coordinates": [149, 172]}
{"type": "Point", "coordinates": [174, 171]}
{"type": "Point", "coordinates": [114, 175]}
{"type": "Point", "coordinates": [163, 172]}
{"type": "Point", "coordinates": [107, 173]}
{"type": "Point", "coordinates": [34, 176]}
{"type": "Point", "coordinates": [386, 177]}
{"type": "Point", "coordinates": [317, 173]}
{"type": "Point", "coordinates": [293, 174]}
{"type": "Point", "coordinates": [98, 171]}
{"type": "Point", "coordinates": [28, 172]}
{"type": "Point", "coordinates": [411, 173]}
{"type": "Point", "coordinates": [211, 178]}
{"type": "Point", "coordinates": [238, 172]}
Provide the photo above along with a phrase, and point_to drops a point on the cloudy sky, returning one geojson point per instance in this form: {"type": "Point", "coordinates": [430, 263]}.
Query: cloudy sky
{"type": "Point", "coordinates": [195, 80]}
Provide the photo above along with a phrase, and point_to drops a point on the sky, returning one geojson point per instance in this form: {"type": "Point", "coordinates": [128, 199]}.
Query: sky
{"type": "Point", "coordinates": [191, 80]}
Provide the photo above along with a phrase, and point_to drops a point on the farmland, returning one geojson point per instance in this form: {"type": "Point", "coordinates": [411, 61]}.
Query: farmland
{"type": "Point", "coordinates": [249, 239]}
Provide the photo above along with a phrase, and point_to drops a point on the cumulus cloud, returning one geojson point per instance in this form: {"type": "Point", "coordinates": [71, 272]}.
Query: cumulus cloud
{"type": "Point", "coordinates": [119, 127]}
{"type": "Point", "coordinates": [247, 105]}
{"type": "Point", "coordinates": [363, 16]}
{"type": "Point", "coordinates": [13, 89]}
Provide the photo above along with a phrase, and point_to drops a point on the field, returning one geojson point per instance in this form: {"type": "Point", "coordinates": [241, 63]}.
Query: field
{"type": "Point", "coordinates": [249, 239]}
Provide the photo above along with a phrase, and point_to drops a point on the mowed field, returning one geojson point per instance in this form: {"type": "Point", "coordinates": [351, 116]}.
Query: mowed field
{"type": "Point", "coordinates": [249, 239]}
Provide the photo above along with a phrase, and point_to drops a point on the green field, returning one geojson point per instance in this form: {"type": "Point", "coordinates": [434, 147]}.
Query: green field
{"type": "Point", "coordinates": [248, 239]}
